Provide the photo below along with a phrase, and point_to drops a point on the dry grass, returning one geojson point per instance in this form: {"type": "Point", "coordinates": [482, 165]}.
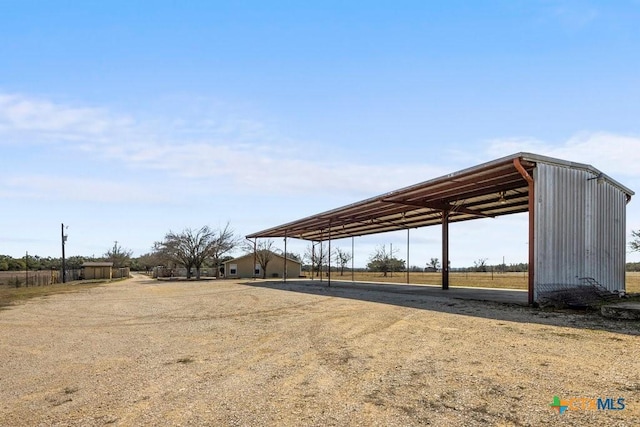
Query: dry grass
{"type": "Point", "coordinates": [485, 280]}
{"type": "Point", "coordinates": [633, 281]}
{"type": "Point", "coordinates": [10, 295]}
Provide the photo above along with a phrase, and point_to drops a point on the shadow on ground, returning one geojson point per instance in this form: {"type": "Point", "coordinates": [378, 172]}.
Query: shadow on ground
{"type": "Point", "coordinates": [497, 304]}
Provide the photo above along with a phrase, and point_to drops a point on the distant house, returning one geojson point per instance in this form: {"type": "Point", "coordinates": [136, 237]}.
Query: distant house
{"type": "Point", "coordinates": [244, 267]}
{"type": "Point", "coordinates": [97, 270]}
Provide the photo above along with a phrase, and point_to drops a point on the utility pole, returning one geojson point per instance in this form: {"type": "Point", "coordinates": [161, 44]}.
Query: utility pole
{"type": "Point", "coordinates": [64, 270]}
{"type": "Point", "coordinates": [26, 269]}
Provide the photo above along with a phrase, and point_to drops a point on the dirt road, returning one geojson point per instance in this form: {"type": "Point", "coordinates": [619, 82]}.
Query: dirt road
{"type": "Point", "coordinates": [141, 352]}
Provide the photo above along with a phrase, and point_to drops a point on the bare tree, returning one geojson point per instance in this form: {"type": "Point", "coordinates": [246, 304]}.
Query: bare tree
{"type": "Point", "coordinates": [119, 256]}
{"type": "Point", "coordinates": [317, 256]}
{"type": "Point", "coordinates": [224, 241]}
{"type": "Point", "coordinates": [433, 264]}
{"type": "Point", "coordinates": [265, 252]}
{"type": "Point", "coordinates": [147, 261]}
{"type": "Point", "coordinates": [384, 261]}
{"type": "Point", "coordinates": [635, 243]}
{"type": "Point", "coordinates": [173, 249]}
{"type": "Point", "coordinates": [480, 265]}
{"type": "Point", "coordinates": [342, 259]}
{"type": "Point", "coordinates": [190, 248]}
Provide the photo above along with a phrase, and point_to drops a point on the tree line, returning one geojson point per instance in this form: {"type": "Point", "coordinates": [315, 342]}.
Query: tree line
{"type": "Point", "coordinates": [209, 247]}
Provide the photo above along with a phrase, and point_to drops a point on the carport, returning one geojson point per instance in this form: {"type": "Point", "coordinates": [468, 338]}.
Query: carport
{"type": "Point", "coordinates": [577, 216]}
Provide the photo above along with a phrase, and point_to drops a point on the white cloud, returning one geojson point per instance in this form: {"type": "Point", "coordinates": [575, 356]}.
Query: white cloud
{"type": "Point", "coordinates": [237, 152]}
{"type": "Point", "coordinates": [46, 187]}
{"type": "Point", "coordinates": [247, 156]}
{"type": "Point", "coordinates": [616, 155]}
{"type": "Point", "coordinates": [45, 118]}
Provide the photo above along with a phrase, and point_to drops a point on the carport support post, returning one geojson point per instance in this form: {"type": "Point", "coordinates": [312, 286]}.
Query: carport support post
{"type": "Point", "coordinates": [329, 258]}
{"type": "Point", "coordinates": [284, 273]}
{"type": "Point", "coordinates": [532, 217]}
{"type": "Point", "coordinates": [321, 255]}
{"type": "Point", "coordinates": [407, 256]}
{"type": "Point", "coordinates": [255, 257]}
{"type": "Point", "coordinates": [445, 249]}
{"type": "Point", "coordinates": [313, 257]}
{"type": "Point", "coordinates": [352, 262]}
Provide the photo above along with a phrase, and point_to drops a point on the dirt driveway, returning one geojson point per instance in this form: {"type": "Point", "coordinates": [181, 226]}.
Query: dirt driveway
{"type": "Point", "coordinates": [141, 352]}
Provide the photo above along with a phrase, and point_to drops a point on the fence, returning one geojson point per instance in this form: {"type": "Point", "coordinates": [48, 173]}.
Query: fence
{"type": "Point", "coordinates": [119, 273]}
{"type": "Point", "coordinates": [50, 277]}
{"type": "Point", "coordinates": [37, 277]}
{"type": "Point", "coordinates": [29, 278]}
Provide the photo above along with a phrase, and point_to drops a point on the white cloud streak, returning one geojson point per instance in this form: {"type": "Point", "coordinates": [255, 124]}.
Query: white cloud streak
{"type": "Point", "coordinates": [241, 153]}
{"type": "Point", "coordinates": [53, 121]}
{"type": "Point", "coordinates": [246, 156]}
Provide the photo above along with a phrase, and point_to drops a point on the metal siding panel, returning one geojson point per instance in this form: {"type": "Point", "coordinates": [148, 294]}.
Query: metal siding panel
{"type": "Point", "coordinates": [580, 229]}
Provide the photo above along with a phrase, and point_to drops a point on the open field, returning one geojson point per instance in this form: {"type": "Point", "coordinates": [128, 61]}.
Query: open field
{"type": "Point", "coordinates": [142, 352]}
{"type": "Point", "coordinates": [486, 280]}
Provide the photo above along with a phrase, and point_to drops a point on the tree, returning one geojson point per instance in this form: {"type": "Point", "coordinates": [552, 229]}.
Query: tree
{"type": "Point", "coordinates": [265, 252]}
{"type": "Point", "coordinates": [146, 261]}
{"type": "Point", "coordinates": [74, 262]}
{"type": "Point", "coordinates": [342, 259]}
{"type": "Point", "coordinates": [635, 243]}
{"type": "Point", "coordinates": [384, 261]}
{"type": "Point", "coordinates": [317, 256]}
{"type": "Point", "coordinates": [119, 256]}
{"type": "Point", "coordinates": [173, 249]}
{"type": "Point", "coordinates": [480, 265]}
{"type": "Point", "coordinates": [433, 264]}
{"type": "Point", "coordinates": [15, 264]}
{"type": "Point", "coordinates": [189, 248]}
{"type": "Point", "coordinates": [224, 241]}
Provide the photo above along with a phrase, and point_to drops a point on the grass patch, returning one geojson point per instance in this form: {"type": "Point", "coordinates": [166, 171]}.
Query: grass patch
{"type": "Point", "coordinates": [632, 280]}
{"type": "Point", "coordinates": [12, 295]}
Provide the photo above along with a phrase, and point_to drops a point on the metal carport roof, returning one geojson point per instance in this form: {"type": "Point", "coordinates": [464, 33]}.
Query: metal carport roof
{"type": "Point", "coordinates": [488, 190]}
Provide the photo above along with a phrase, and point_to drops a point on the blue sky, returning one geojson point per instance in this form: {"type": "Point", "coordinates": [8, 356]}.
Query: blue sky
{"type": "Point", "coordinates": [126, 119]}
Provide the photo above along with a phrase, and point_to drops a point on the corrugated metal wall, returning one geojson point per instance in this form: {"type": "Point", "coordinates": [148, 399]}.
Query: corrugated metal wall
{"type": "Point", "coordinates": [579, 229]}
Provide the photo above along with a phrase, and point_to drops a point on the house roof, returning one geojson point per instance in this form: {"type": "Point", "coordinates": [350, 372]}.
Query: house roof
{"type": "Point", "coordinates": [488, 190]}
{"type": "Point", "coordinates": [250, 254]}
{"type": "Point", "coordinates": [97, 264]}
